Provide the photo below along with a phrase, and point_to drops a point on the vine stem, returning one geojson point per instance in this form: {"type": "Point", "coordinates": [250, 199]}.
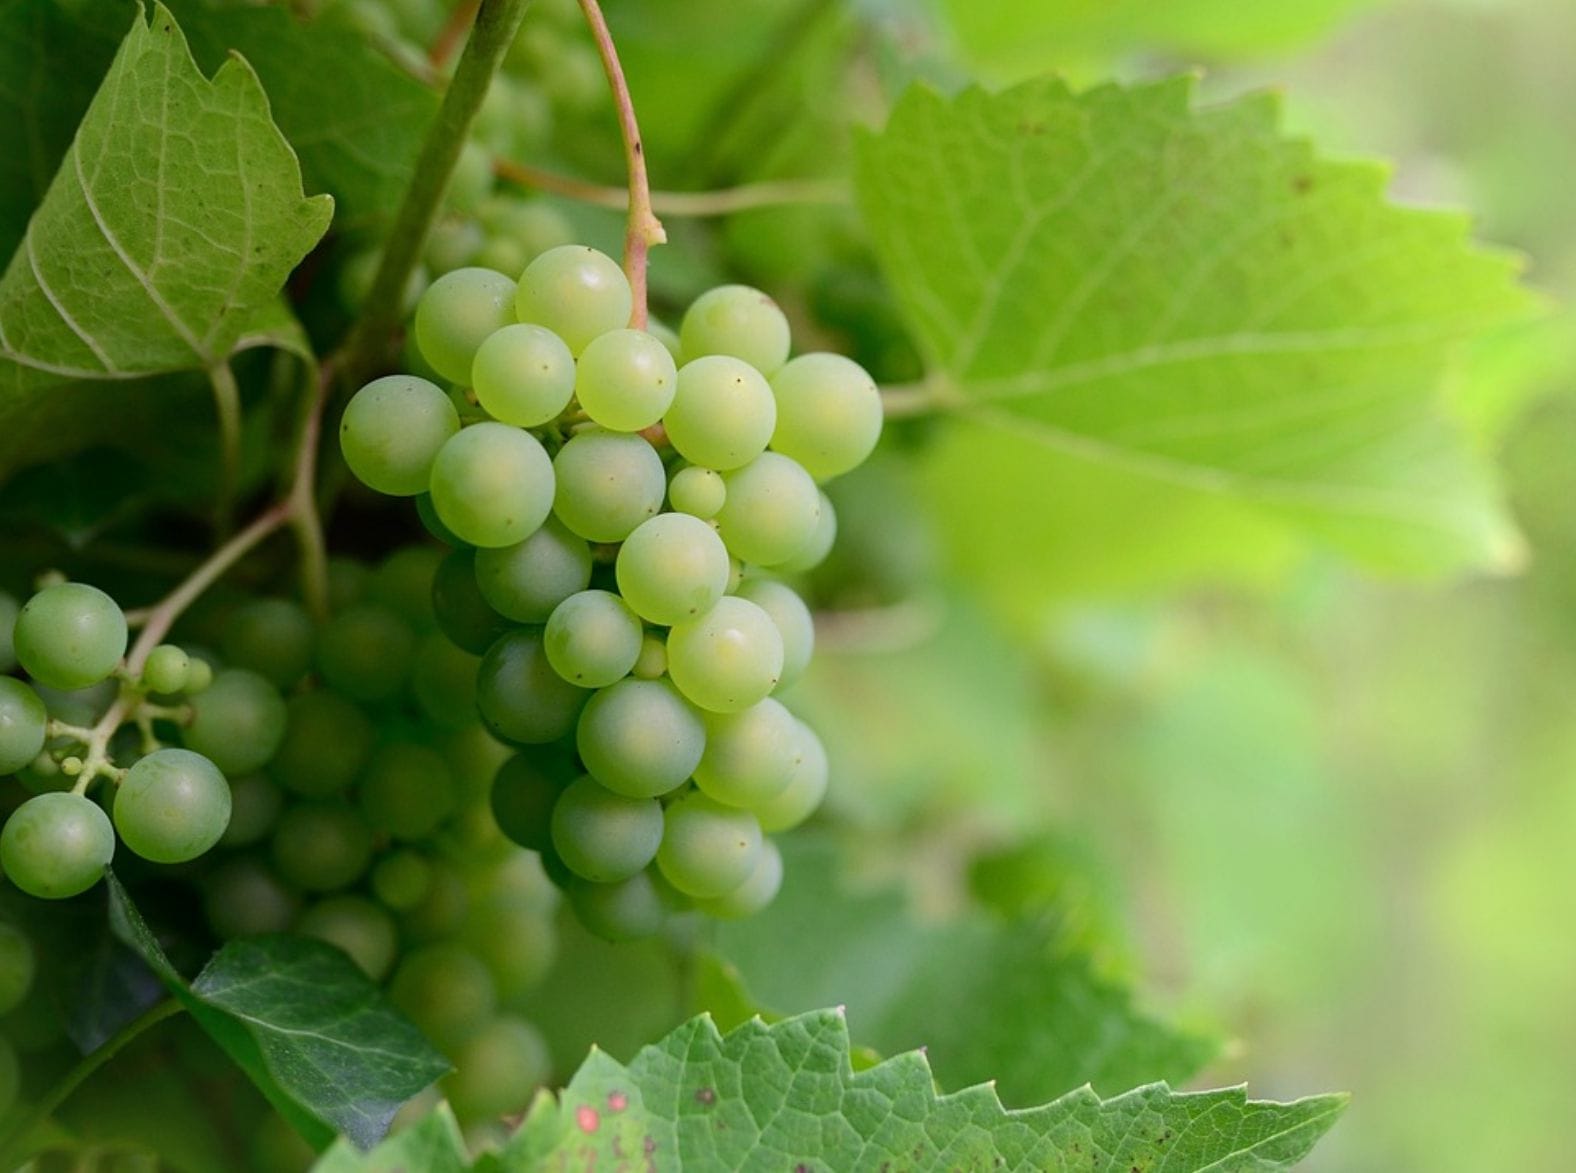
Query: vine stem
{"type": "Point", "coordinates": [770, 193]}
{"type": "Point", "coordinates": [643, 228]}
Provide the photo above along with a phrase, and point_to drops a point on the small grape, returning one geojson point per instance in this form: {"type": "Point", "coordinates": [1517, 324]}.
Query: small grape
{"type": "Point", "coordinates": [496, 1070]}
{"type": "Point", "coordinates": [525, 581]}
{"type": "Point", "coordinates": [640, 738]}
{"type": "Point", "coordinates": [347, 582]}
{"type": "Point", "coordinates": [406, 791]}
{"type": "Point", "coordinates": [492, 484]}
{"type": "Point", "coordinates": [172, 806]}
{"type": "Point", "coordinates": [515, 940]}
{"type": "Point", "coordinates": [593, 639]}
{"type": "Point", "coordinates": [455, 242]}
{"type": "Point", "coordinates": [365, 651]}
{"type": "Point", "coordinates": [463, 613]}
{"type": "Point", "coordinates": [575, 291]}
{"type": "Point", "coordinates": [255, 803]}
{"type": "Point", "coordinates": [607, 484]}
{"type": "Point", "coordinates": [672, 568]}
{"type": "Point", "coordinates": [322, 846]}
{"type": "Point", "coordinates": [771, 511]}
{"type": "Point", "coordinates": [533, 225]}
{"type": "Point", "coordinates": [244, 898]}
{"type": "Point", "coordinates": [441, 910]}
{"type": "Point", "coordinates": [603, 836]}
{"type": "Point", "coordinates": [727, 659]}
{"type": "Point", "coordinates": [653, 659]}
{"type": "Point", "coordinates": [625, 910]}
{"type": "Point", "coordinates": [697, 491]}
{"type": "Point", "coordinates": [521, 698]}
{"type": "Point", "coordinates": [70, 635]}
{"type": "Point", "coordinates": [446, 991]}
{"type": "Point", "coordinates": [471, 180]}
{"type": "Point", "coordinates": [524, 375]}
{"type": "Point", "coordinates": [708, 849]}
{"type": "Point", "coordinates": [272, 637]}
{"type": "Point", "coordinates": [750, 755]}
{"type": "Point", "coordinates": [402, 582]}
{"type": "Point", "coordinates": [792, 618]}
{"type": "Point", "coordinates": [739, 321]}
{"type": "Point", "coordinates": [392, 430]}
{"type": "Point", "coordinates": [722, 414]}
{"type": "Point", "coordinates": [805, 790]}
{"type": "Point", "coordinates": [166, 668]}
{"type": "Point", "coordinates": [813, 552]}
{"type": "Point", "coordinates": [457, 313]}
{"type": "Point", "coordinates": [828, 414]}
{"type": "Point", "coordinates": [358, 927]}
{"type": "Point", "coordinates": [23, 718]}
{"type": "Point", "coordinates": [56, 845]}
{"type": "Point", "coordinates": [523, 793]}
{"type": "Point", "coordinates": [237, 722]}
{"type": "Point", "coordinates": [443, 679]}
{"type": "Point", "coordinates": [759, 890]}
{"type": "Point", "coordinates": [625, 380]}
{"type": "Point", "coordinates": [199, 677]}
{"type": "Point", "coordinates": [17, 966]}
{"type": "Point", "coordinates": [326, 742]}
{"type": "Point", "coordinates": [402, 880]}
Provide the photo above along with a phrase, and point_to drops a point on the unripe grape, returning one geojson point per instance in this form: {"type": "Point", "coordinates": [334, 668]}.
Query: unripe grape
{"type": "Point", "coordinates": [708, 849]}
{"type": "Point", "coordinates": [17, 966]}
{"type": "Point", "coordinates": [358, 927]}
{"type": "Point", "coordinates": [593, 639]}
{"type": "Point", "coordinates": [697, 491]}
{"type": "Point", "coordinates": [771, 511]}
{"type": "Point", "coordinates": [237, 722]}
{"type": "Point", "coordinates": [457, 313]}
{"type": "Point", "coordinates": [525, 581]}
{"type": "Point", "coordinates": [607, 484]}
{"type": "Point", "coordinates": [70, 635]}
{"type": "Point", "coordinates": [520, 697]}
{"type": "Point", "coordinates": [640, 738]}
{"type": "Point", "coordinates": [603, 836]}
{"type": "Point", "coordinates": [828, 414]}
{"type": "Point", "coordinates": [245, 898]}
{"type": "Point", "coordinates": [625, 910]}
{"type": "Point", "coordinates": [672, 568]}
{"type": "Point", "coordinates": [739, 321]}
{"type": "Point", "coordinates": [165, 669]}
{"type": "Point", "coordinates": [23, 719]}
{"type": "Point", "coordinates": [446, 991]}
{"type": "Point", "coordinates": [326, 742]}
{"type": "Point", "coordinates": [56, 845]}
{"type": "Point", "coordinates": [625, 380]}
{"type": "Point", "coordinates": [322, 846]}
{"type": "Point", "coordinates": [392, 430]}
{"type": "Point", "coordinates": [365, 651]}
{"type": "Point", "coordinates": [722, 414]}
{"type": "Point", "coordinates": [172, 806]}
{"type": "Point", "coordinates": [463, 613]}
{"type": "Point", "coordinates": [492, 484]}
{"type": "Point", "coordinates": [523, 794]}
{"type": "Point", "coordinates": [750, 897]}
{"type": "Point", "coordinates": [496, 1070]}
{"type": "Point", "coordinates": [793, 620]}
{"type": "Point", "coordinates": [406, 791]}
{"type": "Point", "coordinates": [805, 790]}
{"type": "Point", "coordinates": [727, 659]}
{"type": "Point", "coordinates": [750, 755]}
{"type": "Point", "coordinates": [575, 291]}
{"type": "Point", "coordinates": [524, 375]}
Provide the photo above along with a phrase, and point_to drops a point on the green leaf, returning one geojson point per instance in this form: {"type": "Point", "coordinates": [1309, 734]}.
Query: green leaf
{"type": "Point", "coordinates": [1186, 294]}
{"type": "Point", "coordinates": [785, 1096]}
{"type": "Point", "coordinates": [433, 1144]}
{"type": "Point", "coordinates": [171, 225]}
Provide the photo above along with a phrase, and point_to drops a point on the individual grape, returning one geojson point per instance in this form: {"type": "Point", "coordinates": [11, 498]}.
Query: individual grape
{"type": "Point", "coordinates": [828, 414]}
{"type": "Point", "coordinates": [402, 880]}
{"type": "Point", "coordinates": [653, 659]}
{"type": "Point", "coordinates": [738, 321]}
{"type": "Point", "coordinates": [392, 430]}
{"type": "Point", "coordinates": [427, 513]}
{"type": "Point", "coordinates": [708, 849]}
{"type": "Point", "coordinates": [697, 491]}
{"type": "Point", "coordinates": [625, 380]}
{"type": "Point", "coordinates": [671, 568]}
{"type": "Point", "coordinates": [457, 313]}
{"type": "Point", "coordinates": [793, 620]}
{"type": "Point", "coordinates": [443, 679]}
{"type": "Point", "coordinates": [813, 552]}
{"type": "Point", "coordinates": [759, 890]}
{"type": "Point", "coordinates": [347, 582]}
{"type": "Point", "coordinates": [492, 484]}
{"type": "Point", "coordinates": [771, 511]}
{"type": "Point", "coordinates": [70, 635]}
{"type": "Point", "coordinates": [533, 225]}
{"type": "Point", "coordinates": [237, 722]}
{"type": "Point", "coordinates": [358, 927]}
{"type": "Point", "coordinates": [365, 652]}
{"type": "Point", "coordinates": [749, 756]}
{"type": "Point", "coordinates": [402, 582]}
{"type": "Point", "coordinates": [446, 991]}
{"type": "Point", "coordinates": [640, 738]}
{"type": "Point", "coordinates": [406, 791]}
{"type": "Point", "coordinates": [625, 910]}
{"type": "Point", "coordinates": [272, 637]}
{"type": "Point", "coordinates": [327, 740]}
{"type": "Point", "coordinates": [525, 581]}
{"type": "Point", "coordinates": [520, 697]}
{"type": "Point", "coordinates": [441, 910]}
{"type": "Point", "coordinates": [524, 375]}
{"type": "Point", "coordinates": [17, 966]}
{"type": "Point", "coordinates": [607, 484]}
{"type": "Point", "coordinates": [322, 846]}
{"type": "Point", "coordinates": [805, 790]}
{"type": "Point", "coordinates": [722, 413]}
{"type": "Point", "coordinates": [455, 242]}
{"type": "Point", "coordinates": [165, 669]}
{"type": "Point", "coordinates": [23, 718]}
{"type": "Point", "coordinates": [8, 612]}
{"type": "Point", "coordinates": [515, 941]}
{"type": "Point", "coordinates": [56, 845]}
{"type": "Point", "coordinates": [464, 615]}
{"type": "Point", "coordinates": [496, 1070]}
{"type": "Point", "coordinates": [524, 791]}
{"type": "Point", "coordinates": [199, 676]}
{"type": "Point", "coordinates": [593, 638]}
{"type": "Point", "coordinates": [604, 836]}
{"type": "Point", "coordinates": [255, 803]}
{"type": "Point", "coordinates": [727, 659]}
{"type": "Point", "coordinates": [243, 897]}
{"type": "Point", "coordinates": [575, 291]}
{"type": "Point", "coordinates": [172, 806]}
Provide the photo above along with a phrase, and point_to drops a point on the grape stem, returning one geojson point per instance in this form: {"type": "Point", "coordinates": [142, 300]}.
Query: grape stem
{"type": "Point", "coordinates": [451, 34]}
{"type": "Point", "coordinates": [642, 229]}
{"type": "Point", "coordinates": [723, 202]}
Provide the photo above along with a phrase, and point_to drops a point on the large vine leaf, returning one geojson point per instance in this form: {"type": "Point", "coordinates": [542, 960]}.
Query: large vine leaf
{"type": "Point", "coordinates": [1188, 295]}
{"type": "Point", "coordinates": [786, 1096]}
{"type": "Point", "coordinates": [170, 227]}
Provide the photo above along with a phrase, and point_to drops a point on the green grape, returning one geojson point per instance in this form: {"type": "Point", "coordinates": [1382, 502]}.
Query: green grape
{"type": "Point", "coordinates": [727, 659]}
{"type": "Point", "coordinates": [10, 1078]}
{"type": "Point", "coordinates": [402, 880]}
{"type": "Point", "coordinates": [172, 806]}
{"type": "Point", "coordinates": [392, 430]}
{"type": "Point", "coordinates": [327, 740]}
{"type": "Point", "coordinates": [593, 639]}
{"type": "Point", "coordinates": [813, 552]}
{"type": "Point", "coordinates": [22, 721]}
{"type": "Point", "coordinates": [255, 803]}
{"type": "Point", "coordinates": [165, 669]}
{"type": "Point", "coordinates": [604, 836]}
{"type": "Point", "coordinates": [698, 491]}
{"type": "Point", "coordinates": [625, 380]}
{"type": "Point", "coordinates": [640, 738]}
{"type": "Point", "coordinates": [492, 485]}
{"type": "Point", "coordinates": [357, 273]}
{"type": "Point", "coordinates": [503, 254]}
{"type": "Point", "coordinates": [427, 512]}
{"type": "Point", "coordinates": [738, 321]}
{"type": "Point", "coordinates": [516, 942]}
{"type": "Point", "coordinates": [525, 581]}
{"type": "Point", "coordinates": [446, 991]}
{"type": "Point", "coordinates": [243, 897]}
{"type": "Point", "coordinates": [671, 568]}
{"type": "Point", "coordinates": [56, 845]}
{"type": "Point", "coordinates": [576, 292]}
{"type": "Point", "coordinates": [406, 791]}
{"type": "Point", "coordinates": [17, 966]}
{"type": "Point", "coordinates": [828, 414]}
{"type": "Point", "coordinates": [750, 897]}
{"type": "Point", "coordinates": [347, 582]}
{"type": "Point", "coordinates": [464, 615]}
{"type": "Point", "coordinates": [237, 722]}
{"type": "Point", "coordinates": [443, 679]}
{"type": "Point", "coordinates": [322, 846]}
{"type": "Point", "coordinates": [653, 659]}
{"type": "Point", "coordinates": [441, 911]}
{"type": "Point", "coordinates": [272, 637]}
{"type": "Point", "coordinates": [457, 313]}
{"type": "Point", "coordinates": [471, 180]}
{"type": "Point", "coordinates": [70, 635]}
{"type": "Point", "coordinates": [456, 241]}
{"type": "Point", "coordinates": [474, 755]}
{"type": "Point", "coordinates": [771, 510]}
{"type": "Point", "coordinates": [530, 226]}
{"type": "Point", "coordinates": [793, 620]}
{"type": "Point", "coordinates": [805, 790]}
{"type": "Point", "coordinates": [402, 582]}
{"type": "Point", "coordinates": [722, 413]}
{"type": "Point", "coordinates": [608, 483]}
{"type": "Point", "coordinates": [524, 375]}
{"type": "Point", "coordinates": [365, 651]}
{"type": "Point", "coordinates": [625, 910]}
{"type": "Point", "coordinates": [358, 927]}
{"type": "Point", "coordinates": [524, 791]}
{"type": "Point", "coordinates": [8, 612]}
{"type": "Point", "coordinates": [497, 1070]}
{"type": "Point", "coordinates": [749, 756]}
{"type": "Point", "coordinates": [708, 849]}
{"type": "Point", "coordinates": [199, 675]}
{"type": "Point", "coordinates": [521, 698]}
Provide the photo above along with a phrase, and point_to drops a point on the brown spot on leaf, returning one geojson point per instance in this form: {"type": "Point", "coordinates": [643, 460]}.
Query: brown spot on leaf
{"type": "Point", "coordinates": [707, 1096]}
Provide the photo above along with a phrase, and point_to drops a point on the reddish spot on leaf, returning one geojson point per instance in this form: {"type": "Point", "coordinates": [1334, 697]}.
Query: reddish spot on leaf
{"type": "Point", "coordinates": [587, 1118]}
{"type": "Point", "coordinates": [617, 1101]}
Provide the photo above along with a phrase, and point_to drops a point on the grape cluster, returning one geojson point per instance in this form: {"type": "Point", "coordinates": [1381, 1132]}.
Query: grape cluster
{"type": "Point", "coordinates": [622, 505]}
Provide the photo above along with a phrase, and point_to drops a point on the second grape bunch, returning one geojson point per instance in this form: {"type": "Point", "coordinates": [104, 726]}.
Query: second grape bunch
{"type": "Point", "coordinates": [623, 506]}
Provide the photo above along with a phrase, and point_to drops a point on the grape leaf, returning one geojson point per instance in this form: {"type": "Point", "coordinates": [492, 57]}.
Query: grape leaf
{"type": "Point", "coordinates": [1186, 294]}
{"type": "Point", "coordinates": [786, 1097]}
{"type": "Point", "coordinates": [433, 1144]}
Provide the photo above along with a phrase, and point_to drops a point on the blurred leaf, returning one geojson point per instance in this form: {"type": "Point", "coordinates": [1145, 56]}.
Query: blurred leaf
{"type": "Point", "coordinates": [432, 1144]}
{"type": "Point", "coordinates": [1187, 295]}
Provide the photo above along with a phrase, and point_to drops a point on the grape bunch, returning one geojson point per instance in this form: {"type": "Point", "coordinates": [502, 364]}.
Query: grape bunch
{"type": "Point", "coordinates": [622, 506]}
